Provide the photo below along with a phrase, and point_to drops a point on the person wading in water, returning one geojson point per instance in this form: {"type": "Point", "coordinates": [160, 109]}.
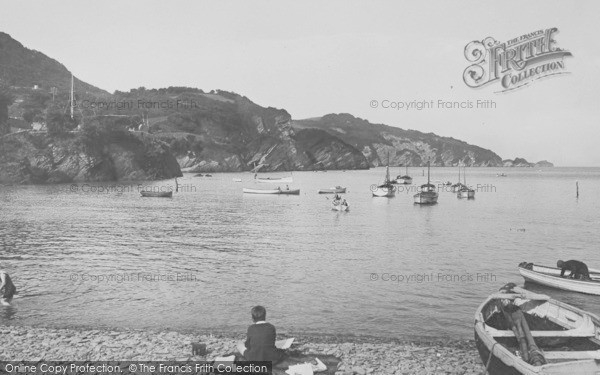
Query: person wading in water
{"type": "Point", "coordinates": [7, 288]}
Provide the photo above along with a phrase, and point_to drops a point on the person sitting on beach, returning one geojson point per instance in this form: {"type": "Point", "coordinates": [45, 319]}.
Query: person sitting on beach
{"type": "Point", "coordinates": [260, 342]}
{"type": "Point", "coordinates": [579, 270]}
{"type": "Point", "coordinates": [7, 288]}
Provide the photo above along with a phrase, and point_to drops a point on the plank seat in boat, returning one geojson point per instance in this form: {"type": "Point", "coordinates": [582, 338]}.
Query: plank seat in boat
{"type": "Point", "coordinates": [586, 329]}
{"type": "Point", "coordinates": [575, 355]}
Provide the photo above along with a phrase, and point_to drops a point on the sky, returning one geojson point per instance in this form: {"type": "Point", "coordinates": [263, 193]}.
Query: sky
{"type": "Point", "coordinates": [312, 58]}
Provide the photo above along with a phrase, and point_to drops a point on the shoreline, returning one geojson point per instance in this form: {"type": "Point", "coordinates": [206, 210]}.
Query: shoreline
{"type": "Point", "coordinates": [358, 354]}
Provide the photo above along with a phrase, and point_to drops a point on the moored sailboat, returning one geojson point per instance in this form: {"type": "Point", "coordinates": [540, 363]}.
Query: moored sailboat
{"type": "Point", "coordinates": [465, 191]}
{"type": "Point", "coordinates": [459, 185]}
{"type": "Point", "coordinates": [387, 189]}
{"type": "Point", "coordinates": [404, 180]}
{"type": "Point", "coordinates": [428, 193]}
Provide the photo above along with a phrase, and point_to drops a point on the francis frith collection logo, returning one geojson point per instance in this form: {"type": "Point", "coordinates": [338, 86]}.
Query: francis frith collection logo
{"type": "Point", "coordinates": [515, 63]}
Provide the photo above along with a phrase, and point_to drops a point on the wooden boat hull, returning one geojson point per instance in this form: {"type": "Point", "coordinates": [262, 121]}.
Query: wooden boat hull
{"type": "Point", "coordinates": [282, 180]}
{"type": "Point", "coordinates": [553, 325]}
{"type": "Point", "coordinates": [272, 191]}
{"type": "Point", "coordinates": [426, 197]}
{"type": "Point", "coordinates": [456, 188]}
{"type": "Point", "coordinates": [550, 277]}
{"type": "Point", "coordinates": [468, 194]}
{"type": "Point", "coordinates": [403, 180]}
{"type": "Point", "coordinates": [385, 192]}
{"type": "Point", "coordinates": [340, 207]}
{"type": "Point", "coordinates": [332, 191]}
{"type": "Point", "coordinates": [157, 194]}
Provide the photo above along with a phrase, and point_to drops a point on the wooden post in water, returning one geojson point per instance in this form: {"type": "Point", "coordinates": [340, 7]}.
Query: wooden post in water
{"type": "Point", "coordinates": [577, 188]}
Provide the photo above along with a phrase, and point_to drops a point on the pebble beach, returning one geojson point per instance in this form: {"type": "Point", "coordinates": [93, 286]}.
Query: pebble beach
{"type": "Point", "coordinates": [357, 355]}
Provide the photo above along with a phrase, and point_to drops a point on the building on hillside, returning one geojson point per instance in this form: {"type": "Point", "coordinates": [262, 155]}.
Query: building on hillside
{"type": "Point", "coordinates": [38, 126]}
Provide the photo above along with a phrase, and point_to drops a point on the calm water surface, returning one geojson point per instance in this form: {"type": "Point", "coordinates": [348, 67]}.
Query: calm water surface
{"type": "Point", "coordinates": [199, 261]}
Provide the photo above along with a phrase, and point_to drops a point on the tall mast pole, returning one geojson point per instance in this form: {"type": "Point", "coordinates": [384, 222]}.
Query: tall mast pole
{"type": "Point", "coordinates": [72, 99]}
{"type": "Point", "coordinates": [428, 167]}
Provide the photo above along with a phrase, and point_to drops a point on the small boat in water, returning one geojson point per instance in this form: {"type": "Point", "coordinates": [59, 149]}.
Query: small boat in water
{"type": "Point", "coordinates": [521, 332]}
{"type": "Point", "coordinates": [272, 191]}
{"type": "Point", "coordinates": [387, 189]}
{"type": "Point", "coordinates": [465, 191]}
{"type": "Point", "coordinates": [428, 193]}
{"type": "Point", "coordinates": [333, 190]}
{"type": "Point", "coordinates": [403, 180]}
{"type": "Point", "coordinates": [276, 180]}
{"type": "Point", "coordinates": [237, 180]}
{"type": "Point", "coordinates": [550, 276]}
{"type": "Point", "coordinates": [340, 205]}
{"type": "Point", "coordinates": [459, 185]}
{"type": "Point", "coordinates": [156, 194]}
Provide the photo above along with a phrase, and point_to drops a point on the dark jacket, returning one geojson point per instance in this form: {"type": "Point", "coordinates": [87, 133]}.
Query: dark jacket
{"type": "Point", "coordinates": [260, 344]}
{"type": "Point", "coordinates": [9, 289]}
{"type": "Point", "coordinates": [578, 269]}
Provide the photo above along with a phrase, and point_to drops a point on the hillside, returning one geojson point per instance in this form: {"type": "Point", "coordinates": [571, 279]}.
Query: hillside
{"type": "Point", "coordinates": [21, 67]}
{"type": "Point", "coordinates": [404, 147]}
{"type": "Point", "coordinates": [224, 131]}
{"type": "Point", "coordinates": [202, 131]}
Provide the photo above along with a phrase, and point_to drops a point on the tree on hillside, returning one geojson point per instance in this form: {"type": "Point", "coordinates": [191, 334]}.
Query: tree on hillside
{"type": "Point", "coordinates": [57, 121]}
{"type": "Point", "coordinates": [6, 99]}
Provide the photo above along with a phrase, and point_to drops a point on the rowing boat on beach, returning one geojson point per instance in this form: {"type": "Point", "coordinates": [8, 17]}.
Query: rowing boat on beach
{"type": "Point", "coordinates": [521, 332]}
{"type": "Point", "coordinates": [272, 191]}
{"type": "Point", "coordinates": [550, 276]}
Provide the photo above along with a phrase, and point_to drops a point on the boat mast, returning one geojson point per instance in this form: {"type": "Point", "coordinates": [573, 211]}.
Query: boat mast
{"type": "Point", "coordinates": [428, 166]}
{"type": "Point", "coordinates": [387, 169]}
{"type": "Point", "coordinates": [465, 175]}
{"type": "Point", "coordinates": [72, 104]}
{"type": "Point", "coordinates": [459, 173]}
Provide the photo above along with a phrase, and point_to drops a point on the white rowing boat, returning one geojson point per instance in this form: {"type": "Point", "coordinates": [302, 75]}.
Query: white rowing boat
{"type": "Point", "coordinates": [556, 338]}
{"type": "Point", "coordinates": [272, 191]}
{"type": "Point", "coordinates": [550, 276]}
{"type": "Point", "coordinates": [275, 180]}
{"type": "Point", "coordinates": [333, 190]}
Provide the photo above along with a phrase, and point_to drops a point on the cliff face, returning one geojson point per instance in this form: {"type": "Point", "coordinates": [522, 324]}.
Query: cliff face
{"type": "Point", "coordinates": [30, 158]}
{"type": "Point", "coordinates": [403, 147]}
{"type": "Point", "coordinates": [522, 163]}
{"type": "Point", "coordinates": [227, 132]}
